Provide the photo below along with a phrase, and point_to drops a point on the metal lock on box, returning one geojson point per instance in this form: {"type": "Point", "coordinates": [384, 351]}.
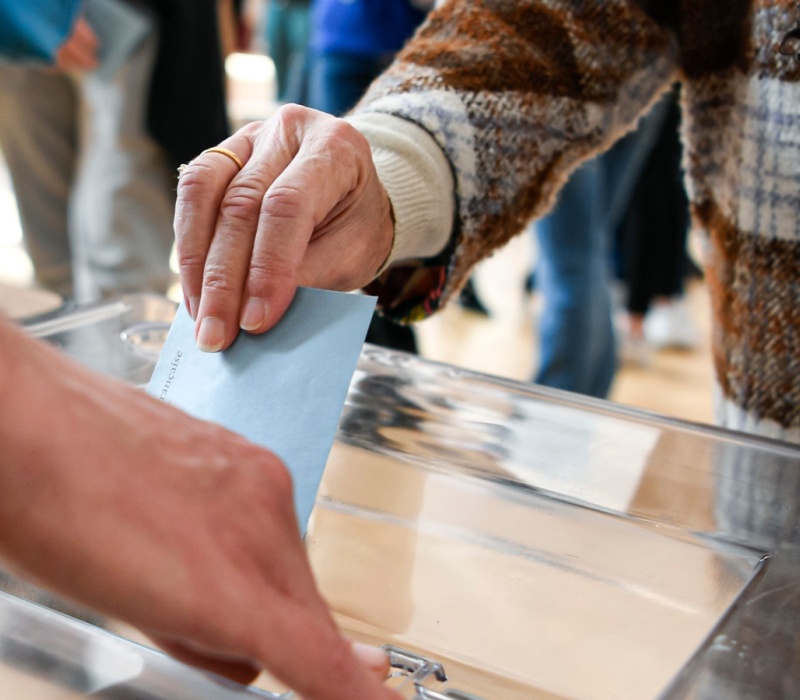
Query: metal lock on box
{"type": "Point", "coordinates": [414, 673]}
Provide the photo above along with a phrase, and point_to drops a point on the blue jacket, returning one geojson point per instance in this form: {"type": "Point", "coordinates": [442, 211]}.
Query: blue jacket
{"type": "Point", "coordinates": [362, 27]}
{"type": "Point", "coordinates": [186, 109]}
{"type": "Point", "coordinates": [34, 29]}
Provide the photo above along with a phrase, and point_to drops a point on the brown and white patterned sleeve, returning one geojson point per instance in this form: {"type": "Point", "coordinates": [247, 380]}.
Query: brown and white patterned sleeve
{"type": "Point", "coordinates": [516, 94]}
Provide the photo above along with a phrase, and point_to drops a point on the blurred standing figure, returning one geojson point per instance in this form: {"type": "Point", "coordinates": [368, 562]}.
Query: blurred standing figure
{"type": "Point", "coordinates": [351, 43]}
{"type": "Point", "coordinates": [580, 351]}
{"type": "Point", "coordinates": [92, 146]}
{"type": "Point", "coordinates": [651, 239]}
{"type": "Point", "coordinates": [286, 33]}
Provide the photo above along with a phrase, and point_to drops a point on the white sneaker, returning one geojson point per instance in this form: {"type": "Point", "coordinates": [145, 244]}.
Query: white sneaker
{"type": "Point", "coordinates": [634, 351]}
{"type": "Point", "coordinates": [670, 325]}
{"type": "Point", "coordinates": [632, 348]}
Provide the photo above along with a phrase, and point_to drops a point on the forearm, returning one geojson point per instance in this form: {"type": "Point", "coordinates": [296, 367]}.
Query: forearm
{"type": "Point", "coordinates": [46, 420]}
{"type": "Point", "coordinates": [17, 472]}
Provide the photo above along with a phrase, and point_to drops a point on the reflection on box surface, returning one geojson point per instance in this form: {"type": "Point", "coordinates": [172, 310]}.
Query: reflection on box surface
{"type": "Point", "coordinates": [535, 543]}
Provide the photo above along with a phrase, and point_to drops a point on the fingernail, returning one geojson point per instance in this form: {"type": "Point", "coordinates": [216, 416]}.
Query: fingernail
{"type": "Point", "coordinates": [372, 657]}
{"type": "Point", "coordinates": [193, 303]}
{"type": "Point", "coordinates": [210, 335]}
{"type": "Point", "coordinates": [255, 311]}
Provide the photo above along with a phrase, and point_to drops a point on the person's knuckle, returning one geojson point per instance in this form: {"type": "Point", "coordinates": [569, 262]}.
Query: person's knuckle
{"type": "Point", "coordinates": [340, 132]}
{"type": "Point", "coordinates": [241, 202]}
{"type": "Point", "coordinates": [190, 264]}
{"type": "Point", "coordinates": [218, 280]}
{"type": "Point", "coordinates": [269, 482]}
{"type": "Point", "coordinates": [283, 202]}
{"type": "Point", "coordinates": [275, 271]}
{"type": "Point", "coordinates": [281, 479]}
{"type": "Point", "coordinates": [253, 128]}
{"type": "Point", "coordinates": [289, 114]}
{"type": "Point", "coordinates": [196, 182]}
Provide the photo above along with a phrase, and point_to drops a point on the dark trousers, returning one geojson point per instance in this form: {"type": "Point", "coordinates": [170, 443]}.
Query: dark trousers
{"type": "Point", "coordinates": [651, 237]}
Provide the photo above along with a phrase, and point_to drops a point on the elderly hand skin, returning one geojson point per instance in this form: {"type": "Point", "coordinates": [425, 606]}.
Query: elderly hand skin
{"type": "Point", "coordinates": [306, 209]}
{"type": "Point", "coordinates": [174, 525]}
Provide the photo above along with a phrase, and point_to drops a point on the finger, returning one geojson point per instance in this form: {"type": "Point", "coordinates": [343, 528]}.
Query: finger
{"type": "Point", "coordinates": [201, 188]}
{"type": "Point", "coordinates": [229, 255]}
{"type": "Point", "coordinates": [374, 659]}
{"type": "Point", "coordinates": [237, 226]}
{"type": "Point", "coordinates": [329, 667]}
{"type": "Point", "coordinates": [304, 205]}
{"type": "Point", "coordinates": [240, 671]}
{"type": "Point", "coordinates": [300, 644]}
{"type": "Point", "coordinates": [373, 671]}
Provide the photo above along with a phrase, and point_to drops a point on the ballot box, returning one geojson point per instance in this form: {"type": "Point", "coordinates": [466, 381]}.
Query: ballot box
{"type": "Point", "coordinates": [502, 540]}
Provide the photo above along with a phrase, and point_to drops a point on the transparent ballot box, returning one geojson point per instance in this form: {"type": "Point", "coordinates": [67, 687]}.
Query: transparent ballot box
{"type": "Point", "coordinates": [503, 541]}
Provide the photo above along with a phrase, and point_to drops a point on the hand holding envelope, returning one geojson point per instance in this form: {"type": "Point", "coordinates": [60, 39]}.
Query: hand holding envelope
{"type": "Point", "coordinates": [306, 208]}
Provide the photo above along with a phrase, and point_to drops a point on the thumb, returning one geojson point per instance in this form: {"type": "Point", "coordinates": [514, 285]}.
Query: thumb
{"type": "Point", "coordinates": [374, 659]}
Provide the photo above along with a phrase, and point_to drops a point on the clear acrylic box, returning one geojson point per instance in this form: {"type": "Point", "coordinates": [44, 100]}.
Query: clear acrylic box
{"type": "Point", "coordinates": [508, 541]}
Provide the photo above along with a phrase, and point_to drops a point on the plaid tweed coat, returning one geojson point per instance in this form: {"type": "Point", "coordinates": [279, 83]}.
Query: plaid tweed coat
{"type": "Point", "coordinates": [517, 93]}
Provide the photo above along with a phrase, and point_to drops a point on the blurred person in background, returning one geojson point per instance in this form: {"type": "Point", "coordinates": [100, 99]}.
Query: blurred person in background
{"type": "Point", "coordinates": [572, 272]}
{"type": "Point", "coordinates": [286, 32]}
{"type": "Point", "coordinates": [92, 144]}
{"type": "Point", "coordinates": [650, 246]}
{"type": "Point", "coordinates": [354, 41]}
{"type": "Point", "coordinates": [351, 43]}
{"type": "Point", "coordinates": [622, 212]}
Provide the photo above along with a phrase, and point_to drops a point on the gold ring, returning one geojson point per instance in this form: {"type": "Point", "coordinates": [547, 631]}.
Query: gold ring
{"type": "Point", "coordinates": [226, 152]}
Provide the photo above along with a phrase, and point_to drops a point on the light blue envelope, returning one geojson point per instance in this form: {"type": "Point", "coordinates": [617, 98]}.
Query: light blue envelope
{"type": "Point", "coordinates": [284, 389]}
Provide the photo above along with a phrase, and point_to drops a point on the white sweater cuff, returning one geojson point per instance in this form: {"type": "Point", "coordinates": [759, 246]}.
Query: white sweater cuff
{"type": "Point", "coordinates": [418, 180]}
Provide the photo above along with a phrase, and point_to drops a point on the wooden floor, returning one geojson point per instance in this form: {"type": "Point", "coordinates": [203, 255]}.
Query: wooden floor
{"type": "Point", "coordinates": [675, 382]}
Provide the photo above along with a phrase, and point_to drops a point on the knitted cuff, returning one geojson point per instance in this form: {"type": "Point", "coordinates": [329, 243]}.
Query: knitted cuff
{"type": "Point", "coordinates": [418, 181]}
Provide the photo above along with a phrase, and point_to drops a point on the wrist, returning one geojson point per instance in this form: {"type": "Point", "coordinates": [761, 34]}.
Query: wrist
{"type": "Point", "coordinates": [389, 234]}
{"type": "Point", "coordinates": [418, 183]}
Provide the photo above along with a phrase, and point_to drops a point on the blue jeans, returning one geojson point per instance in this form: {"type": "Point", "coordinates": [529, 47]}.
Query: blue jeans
{"type": "Point", "coordinates": [573, 274]}
{"type": "Point", "coordinates": [286, 33]}
{"type": "Point", "coordinates": [574, 270]}
{"type": "Point", "coordinates": [337, 81]}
